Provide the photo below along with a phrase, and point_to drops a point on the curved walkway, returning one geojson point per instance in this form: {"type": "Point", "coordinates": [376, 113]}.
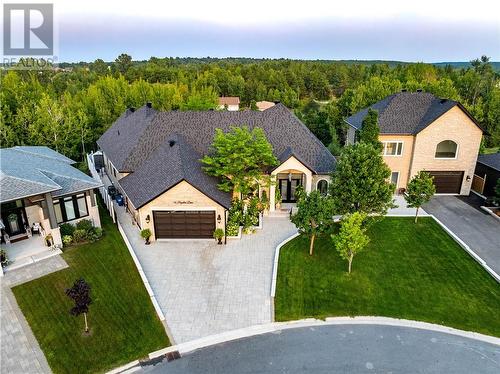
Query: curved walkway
{"type": "Point", "coordinates": [204, 288]}
{"type": "Point", "coordinates": [341, 349]}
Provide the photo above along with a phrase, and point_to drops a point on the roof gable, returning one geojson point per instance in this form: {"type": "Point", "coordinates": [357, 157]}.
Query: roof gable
{"type": "Point", "coordinates": [407, 112]}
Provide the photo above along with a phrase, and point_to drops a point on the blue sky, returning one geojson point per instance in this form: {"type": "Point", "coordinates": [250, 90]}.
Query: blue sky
{"type": "Point", "coordinates": [426, 30]}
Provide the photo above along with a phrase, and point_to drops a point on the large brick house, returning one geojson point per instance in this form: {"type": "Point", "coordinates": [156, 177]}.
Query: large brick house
{"type": "Point", "coordinates": [153, 158]}
{"type": "Point", "coordinates": [422, 132]}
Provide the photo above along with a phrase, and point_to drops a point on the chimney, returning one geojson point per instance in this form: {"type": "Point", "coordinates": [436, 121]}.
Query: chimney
{"type": "Point", "coordinates": [149, 105]}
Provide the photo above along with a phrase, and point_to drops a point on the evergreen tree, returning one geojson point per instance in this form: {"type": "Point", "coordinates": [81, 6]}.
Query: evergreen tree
{"type": "Point", "coordinates": [370, 130]}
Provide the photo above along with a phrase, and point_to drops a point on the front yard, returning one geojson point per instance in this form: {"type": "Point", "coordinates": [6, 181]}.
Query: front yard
{"type": "Point", "coordinates": [122, 320]}
{"type": "Point", "coordinates": [411, 271]}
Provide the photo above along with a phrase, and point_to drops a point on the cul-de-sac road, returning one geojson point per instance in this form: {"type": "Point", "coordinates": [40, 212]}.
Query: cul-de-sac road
{"type": "Point", "coordinates": [341, 349]}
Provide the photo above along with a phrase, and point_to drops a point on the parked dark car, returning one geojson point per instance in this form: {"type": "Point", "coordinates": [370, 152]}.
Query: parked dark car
{"type": "Point", "coordinates": [112, 192]}
{"type": "Point", "coordinates": [119, 199]}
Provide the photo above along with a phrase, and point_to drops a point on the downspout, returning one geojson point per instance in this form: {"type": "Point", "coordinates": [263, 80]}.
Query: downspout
{"type": "Point", "coordinates": [225, 227]}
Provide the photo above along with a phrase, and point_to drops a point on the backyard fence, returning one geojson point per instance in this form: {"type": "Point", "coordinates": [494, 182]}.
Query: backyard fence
{"type": "Point", "coordinates": [99, 176]}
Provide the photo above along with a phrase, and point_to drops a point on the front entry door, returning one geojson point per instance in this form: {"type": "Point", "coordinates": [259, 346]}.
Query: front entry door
{"type": "Point", "coordinates": [287, 189]}
{"type": "Point", "coordinates": [13, 222]}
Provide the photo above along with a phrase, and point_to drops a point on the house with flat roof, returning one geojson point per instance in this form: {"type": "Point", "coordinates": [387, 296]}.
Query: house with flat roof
{"type": "Point", "coordinates": [39, 190]}
{"type": "Point", "coordinates": [420, 131]}
{"type": "Point", "coordinates": [153, 158]}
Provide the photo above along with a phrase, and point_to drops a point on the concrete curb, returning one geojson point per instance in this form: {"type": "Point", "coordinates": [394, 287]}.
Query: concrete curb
{"type": "Point", "coordinates": [160, 314]}
{"type": "Point", "coordinates": [193, 345]}
{"type": "Point", "coordinates": [473, 254]}
{"type": "Point", "coordinates": [276, 260]}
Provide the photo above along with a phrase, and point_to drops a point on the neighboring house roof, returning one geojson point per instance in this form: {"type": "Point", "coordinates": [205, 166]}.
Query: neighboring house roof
{"type": "Point", "coordinates": [173, 161]}
{"type": "Point", "coordinates": [196, 130]}
{"type": "Point", "coordinates": [263, 105]}
{"type": "Point", "coordinates": [229, 100]}
{"type": "Point", "coordinates": [407, 112]}
{"type": "Point", "coordinates": [492, 160]}
{"type": "Point", "coordinates": [28, 171]}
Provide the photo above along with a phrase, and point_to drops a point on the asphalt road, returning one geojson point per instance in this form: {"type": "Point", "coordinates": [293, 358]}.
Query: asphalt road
{"type": "Point", "coordinates": [341, 349]}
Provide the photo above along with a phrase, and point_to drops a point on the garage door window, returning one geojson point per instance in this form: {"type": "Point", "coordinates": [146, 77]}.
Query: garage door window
{"type": "Point", "coordinates": [446, 149]}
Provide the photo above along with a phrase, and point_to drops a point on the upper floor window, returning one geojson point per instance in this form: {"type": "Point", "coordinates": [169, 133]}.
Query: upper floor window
{"type": "Point", "coordinates": [323, 187]}
{"type": "Point", "coordinates": [446, 149]}
{"type": "Point", "coordinates": [392, 148]}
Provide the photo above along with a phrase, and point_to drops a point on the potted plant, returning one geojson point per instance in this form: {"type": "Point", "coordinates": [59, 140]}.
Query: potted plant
{"type": "Point", "coordinates": [146, 234]}
{"type": "Point", "coordinates": [218, 235]}
{"type": "Point", "coordinates": [277, 198]}
{"type": "Point", "coordinates": [3, 258]}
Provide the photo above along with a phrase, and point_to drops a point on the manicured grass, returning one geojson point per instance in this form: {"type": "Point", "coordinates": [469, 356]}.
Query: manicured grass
{"type": "Point", "coordinates": [124, 325]}
{"type": "Point", "coordinates": [412, 271]}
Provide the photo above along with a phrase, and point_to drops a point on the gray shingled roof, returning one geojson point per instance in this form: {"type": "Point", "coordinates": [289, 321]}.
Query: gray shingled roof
{"type": "Point", "coordinates": [172, 162]}
{"type": "Point", "coordinates": [196, 130]}
{"type": "Point", "coordinates": [405, 112]}
{"type": "Point", "coordinates": [492, 160]}
{"type": "Point", "coordinates": [28, 171]}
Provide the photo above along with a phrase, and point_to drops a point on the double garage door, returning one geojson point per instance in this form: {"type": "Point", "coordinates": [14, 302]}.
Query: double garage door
{"type": "Point", "coordinates": [447, 181]}
{"type": "Point", "coordinates": [184, 224]}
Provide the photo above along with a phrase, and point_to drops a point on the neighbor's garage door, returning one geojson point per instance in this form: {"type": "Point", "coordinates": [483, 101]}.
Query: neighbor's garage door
{"type": "Point", "coordinates": [447, 181]}
{"type": "Point", "coordinates": [184, 224]}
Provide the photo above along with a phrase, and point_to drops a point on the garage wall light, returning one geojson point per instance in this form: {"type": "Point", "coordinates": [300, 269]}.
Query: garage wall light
{"type": "Point", "coordinates": [219, 219]}
{"type": "Point", "coordinates": [148, 218]}
{"type": "Point", "coordinates": [467, 178]}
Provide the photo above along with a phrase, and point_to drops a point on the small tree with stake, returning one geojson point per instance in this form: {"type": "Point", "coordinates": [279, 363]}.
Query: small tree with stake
{"type": "Point", "coordinates": [352, 238]}
{"type": "Point", "coordinates": [419, 191]}
{"type": "Point", "coordinates": [80, 293]}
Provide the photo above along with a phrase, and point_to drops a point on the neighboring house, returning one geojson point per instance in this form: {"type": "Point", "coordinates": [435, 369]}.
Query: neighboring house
{"type": "Point", "coordinates": [153, 158]}
{"type": "Point", "coordinates": [231, 103]}
{"type": "Point", "coordinates": [486, 174]}
{"type": "Point", "coordinates": [422, 132]}
{"type": "Point", "coordinates": [38, 186]}
{"type": "Point", "coordinates": [263, 105]}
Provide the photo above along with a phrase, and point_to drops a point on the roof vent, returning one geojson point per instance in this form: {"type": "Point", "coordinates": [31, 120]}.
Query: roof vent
{"type": "Point", "coordinates": [419, 90]}
{"type": "Point", "coordinates": [404, 90]}
{"type": "Point", "coordinates": [118, 132]}
{"type": "Point", "coordinates": [132, 109]}
{"type": "Point", "coordinates": [149, 105]}
{"type": "Point", "coordinates": [171, 143]}
{"type": "Point", "coordinates": [442, 101]}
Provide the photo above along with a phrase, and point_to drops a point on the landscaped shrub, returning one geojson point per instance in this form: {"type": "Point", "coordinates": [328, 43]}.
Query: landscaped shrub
{"type": "Point", "coordinates": [3, 258]}
{"type": "Point", "coordinates": [94, 234]}
{"type": "Point", "coordinates": [232, 228]}
{"type": "Point", "coordinates": [85, 225]}
{"type": "Point", "coordinates": [67, 229]}
{"type": "Point", "coordinates": [79, 235]}
{"type": "Point", "coordinates": [67, 240]}
{"type": "Point", "coordinates": [253, 210]}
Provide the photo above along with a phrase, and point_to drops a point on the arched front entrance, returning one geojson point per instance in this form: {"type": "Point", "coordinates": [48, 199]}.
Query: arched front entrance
{"type": "Point", "coordinates": [287, 177]}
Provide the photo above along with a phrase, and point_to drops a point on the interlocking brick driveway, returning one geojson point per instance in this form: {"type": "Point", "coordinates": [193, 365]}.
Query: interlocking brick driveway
{"type": "Point", "coordinates": [204, 288]}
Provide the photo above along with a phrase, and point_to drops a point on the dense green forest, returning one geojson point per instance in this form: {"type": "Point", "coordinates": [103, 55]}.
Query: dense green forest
{"type": "Point", "coordinates": [68, 109]}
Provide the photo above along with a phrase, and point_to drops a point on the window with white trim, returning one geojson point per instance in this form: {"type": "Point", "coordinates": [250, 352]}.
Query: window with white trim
{"type": "Point", "coordinates": [392, 148]}
{"type": "Point", "coordinates": [446, 149]}
{"type": "Point", "coordinates": [322, 187]}
{"type": "Point", "coordinates": [395, 178]}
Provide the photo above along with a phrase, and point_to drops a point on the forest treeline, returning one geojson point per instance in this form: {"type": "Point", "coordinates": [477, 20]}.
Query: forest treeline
{"type": "Point", "coordinates": [68, 109]}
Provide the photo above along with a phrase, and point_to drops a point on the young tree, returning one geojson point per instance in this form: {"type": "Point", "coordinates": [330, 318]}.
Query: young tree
{"type": "Point", "coordinates": [360, 181]}
{"type": "Point", "coordinates": [419, 191]}
{"type": "Point", "coordinates": [239, 158]}
{"type": "Point", "coordinates": [314, 215]}
{"type": "Point", "coordinates": [351, 238]}
{"type": "Point", "coordinates": [80, 293]}
{"type": "Point", "coordinates": [369, 131]}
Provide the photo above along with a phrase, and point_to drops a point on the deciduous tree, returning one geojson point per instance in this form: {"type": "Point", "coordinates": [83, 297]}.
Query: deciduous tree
{"type": "Point", "coordinates": [80, 294]}
{"type": "Point", "coordinates": [419, 191]}
{"type": "Point", "coordinates": [314, 215]}
{"type": "Point", "coordinates": [370, 130]}
{"type": "Point", "coordinates": [351, 238]}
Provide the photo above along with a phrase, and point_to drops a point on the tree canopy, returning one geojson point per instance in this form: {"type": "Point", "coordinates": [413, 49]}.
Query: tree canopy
{"type": "Point", "coordinates": [314, 214]}
{"type": "Point", "coordinates": [239, 158]}
{"type": "Point", "coordinates": [360, 181]}
{"type": "Point", "coordinates": [370, 130]}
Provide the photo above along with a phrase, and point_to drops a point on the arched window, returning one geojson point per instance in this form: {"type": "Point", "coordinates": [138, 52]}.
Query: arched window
{"type": "Point", "coordinates": [446, 149]}
{"type": "Point", "coordinates": [322, 187]}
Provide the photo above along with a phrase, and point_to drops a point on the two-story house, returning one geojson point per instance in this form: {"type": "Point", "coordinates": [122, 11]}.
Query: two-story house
{"type": "Point", "coordinates": [420, 131]}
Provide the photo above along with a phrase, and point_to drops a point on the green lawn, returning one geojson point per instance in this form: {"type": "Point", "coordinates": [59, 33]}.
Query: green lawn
{"type": "Point", "coordinates": [408, 271]}
{"type": "Point", "coordinates": [124, 325]}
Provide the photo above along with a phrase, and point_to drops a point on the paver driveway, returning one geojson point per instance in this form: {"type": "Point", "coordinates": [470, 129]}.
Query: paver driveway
{"type": "Point", "coordinates": [204, 288]}
{"type": "Point", "coordinates": [479, 230]}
